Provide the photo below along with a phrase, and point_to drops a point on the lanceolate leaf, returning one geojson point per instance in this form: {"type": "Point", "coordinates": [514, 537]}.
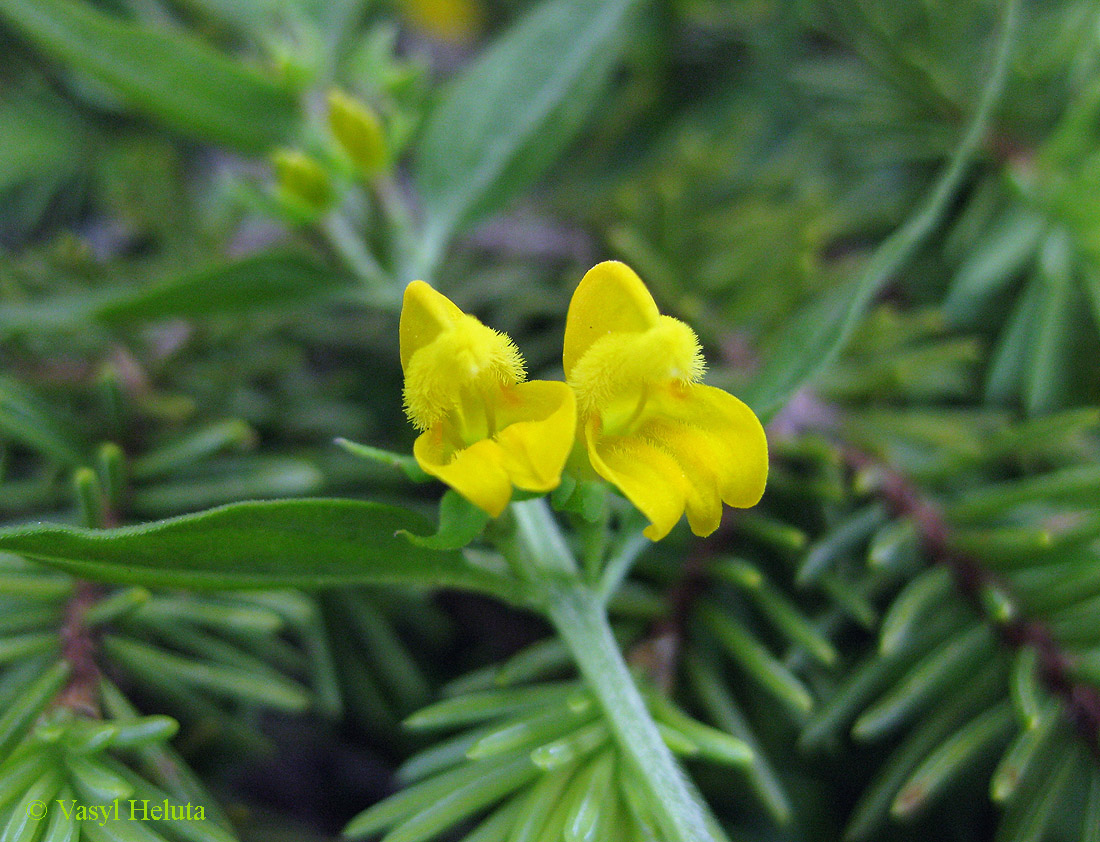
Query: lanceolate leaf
{"type": "Point", "coordinates": [295, 543]}
{"type": "Point", "coordinates": [505, 120]}
{"type": "Point", "coordinates": [171, 77]}
{"type": "Point", "coordinates": [25, 418]}
{"type": "Point", "coordinates": [816, 335]}
{"type": "Point", "coordinates": [260, 281]}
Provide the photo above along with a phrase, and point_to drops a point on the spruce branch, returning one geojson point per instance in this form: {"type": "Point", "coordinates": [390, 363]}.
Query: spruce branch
{"type": "Point", "coordinates": [1080, 701]}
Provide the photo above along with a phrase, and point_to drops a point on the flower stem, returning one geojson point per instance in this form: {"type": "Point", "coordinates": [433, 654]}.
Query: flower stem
{"type": "Point", "coordinates": [578, 614]}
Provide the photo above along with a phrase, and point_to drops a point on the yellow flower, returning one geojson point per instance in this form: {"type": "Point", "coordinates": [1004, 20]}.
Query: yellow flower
{"type": "Point", "coordinates": [483, 429]}
{"type": "Point", "coordinates": [669, 443]}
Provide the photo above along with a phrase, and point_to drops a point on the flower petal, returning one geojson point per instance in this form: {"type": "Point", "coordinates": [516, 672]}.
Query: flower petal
{"type": "Point", "coordinates": [610, 298]}
{"type": "Point", "coordinates": [477, 472]}
{"type": "Point", "coordinates": [698, 456]}
{"type": "Point", "coordinates": [425, 314]}
{"type": "Point", "coordinates": [648, 476]}
{"type": "Point", "coordinates": [538, 421]}
{"type": "Point", "coordinates": [717, 424]}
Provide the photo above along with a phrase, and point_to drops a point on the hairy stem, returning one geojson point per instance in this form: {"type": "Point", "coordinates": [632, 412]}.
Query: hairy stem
{"type": "Point", "coordinates": [578, 614]}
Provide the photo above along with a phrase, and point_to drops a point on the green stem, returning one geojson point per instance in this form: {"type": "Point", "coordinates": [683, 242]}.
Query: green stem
{"type": "Point", "coordinates": [578, 614]}
{"type": "Point", "coordinates": [349, 245]}
{"type": "Point", "coordinates": [541, 542]}
{"type": "Point", "coordinates": [622, 559]}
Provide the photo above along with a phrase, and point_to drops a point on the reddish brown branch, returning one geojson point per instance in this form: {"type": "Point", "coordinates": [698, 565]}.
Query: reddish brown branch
{"type": "Point", "coordinates": [1081, 701]}
{"type": "Point", "coordinates": [78, 646]}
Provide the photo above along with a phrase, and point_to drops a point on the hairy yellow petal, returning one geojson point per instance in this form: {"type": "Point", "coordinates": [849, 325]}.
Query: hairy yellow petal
{"type": "Point", "coordinates": [618, 369]}
{"type": "Point", "coordinates": [461, 371]}
{"type": "Point", "coordinates": [477, 472]}
{"type": "Point", "coordinates": [425, 314]}
{"type": "Point", "coordinates": [539, 421]}
{"type": "Point", "coordinates": [711, 421]}
{"type": "Point", "coordinates": [648, 476]}
{"type": "Point", "coordinates": [610, 298]}
{"type": "Point", "coordinates": [453, 363]}
{"type": "Point", "coordinates": [538, 425]}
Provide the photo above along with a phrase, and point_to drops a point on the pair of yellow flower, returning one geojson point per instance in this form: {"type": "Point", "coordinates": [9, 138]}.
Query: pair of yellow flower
{"type": "Point", "coordinates": [632, 408]}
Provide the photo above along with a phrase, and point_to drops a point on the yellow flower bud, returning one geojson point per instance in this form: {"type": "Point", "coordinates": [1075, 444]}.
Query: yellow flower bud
{"type": "Point", "coordinates": [457, 21]}
{"type": "Point", "coordinates": [359, 132]}
{"type": "Point", "coordinates": [302, 180]}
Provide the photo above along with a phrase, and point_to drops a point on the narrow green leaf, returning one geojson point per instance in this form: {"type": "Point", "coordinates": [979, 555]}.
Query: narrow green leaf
{"type": "Point", "coordinates": [910, 608]}
{"type": "Point", "coordinates": [267, 688]}
{"type": "Point", "coordinates": [782, 613]}
{"type": "Point", "coordinates": [951, 758]}
{"type": "Point", "coordinates": [1091, 828]}
{"type": "Point", "coordinates": [757, 661]}
{"type": "Point", "coordinates": [163, 764]}
{"type": "Point", "coordinates": [992, 264]}
{"type": "Point", "coordinates": [412, 801]}
{"type": "Point", "coordinates": [716, 699]}
{"type": "Point", "coordinates": [162, 72]}
{"type": "Point", "coordinates": [1030, 823]}
{"type": "Point", "coordinates": [207, 829]}
{"type": "Point", "coordinates": [1078, 484]}
{"type": "Point", "coordinates": [875, 802]}
{"type": "Point", "coordinates": [141, 731]}
{"type": "Point", "coordinates": [24, 824]}
{"type": "Point", "coordinates": [568, 749]}
{"type": "Point", "coordinates": [542, 798]}
{"type": "Point", "coordinates": [404, 463]}
{"type": "Point", "coordinates": [123, 830]}
{"type": "Point", "coordinates": [283, 543]}
{"type": "Point", "coordinates": [1020, 756]}
{"type": "Point", "coordinates": [440, 756]}
{"type": "Point", "coordinates": [586, 796]}
{"type": "Point", "coordinates": [61, 827]}
{"type": "Point", "coordinates": [509, 115]}
{"type": "Point", "coordinates": [229, 480]}
{"type": "Point", "coordinates": [678, 743]}
{"type": "Point", "coordinates": [815, 336]}
{"type": "Point", "coordinates": [496, 827]}
{"type": "Point", "coordinates": [30, 702]}
{"type": "Point", "coordinates": [192, 447]}
{"type": "Point", "coordinates": [259, 282]}
{"type": "Point", "coordinates": [396, 666]}
{"type": "Point", "coordinates": [1008, 368]}
{"type": "Point", "coordinates": [537, 661]}
{"type": "Point", "coordinates": [893, 544]}
{"type": "Point", "coordinates": [841, 539]}
{"type": "Point", "coordinates": [489, 704]}
{"type": "Point", "coordinates": [201, 612]}
{"type": "Point", "coordinates": [947, 663]}
{"type": "Point", "coordinates": [27, 646]}
{"type": "Point", "coordinates": [1052, 371]}
{"type": "Point", "coordinates": [20, 771]}
{"type": "Point", "coordinates": [710, 743]}
{"type": "Point", "coordinates": [526, 732]}
{"type": "Point", "coordinates": [94, 783]}
{"type": "Point", "coordinates": [26, 418]}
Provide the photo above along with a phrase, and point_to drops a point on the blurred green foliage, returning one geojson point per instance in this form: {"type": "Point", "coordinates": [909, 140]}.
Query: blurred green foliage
{"type": "Point", "coordinates": [882, 219]}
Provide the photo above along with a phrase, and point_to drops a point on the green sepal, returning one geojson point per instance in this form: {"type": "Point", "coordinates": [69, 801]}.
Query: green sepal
{"type": "Point", "coordinates": [460, 522]}
{"type": "Point", "coordinates": [406, 464]}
